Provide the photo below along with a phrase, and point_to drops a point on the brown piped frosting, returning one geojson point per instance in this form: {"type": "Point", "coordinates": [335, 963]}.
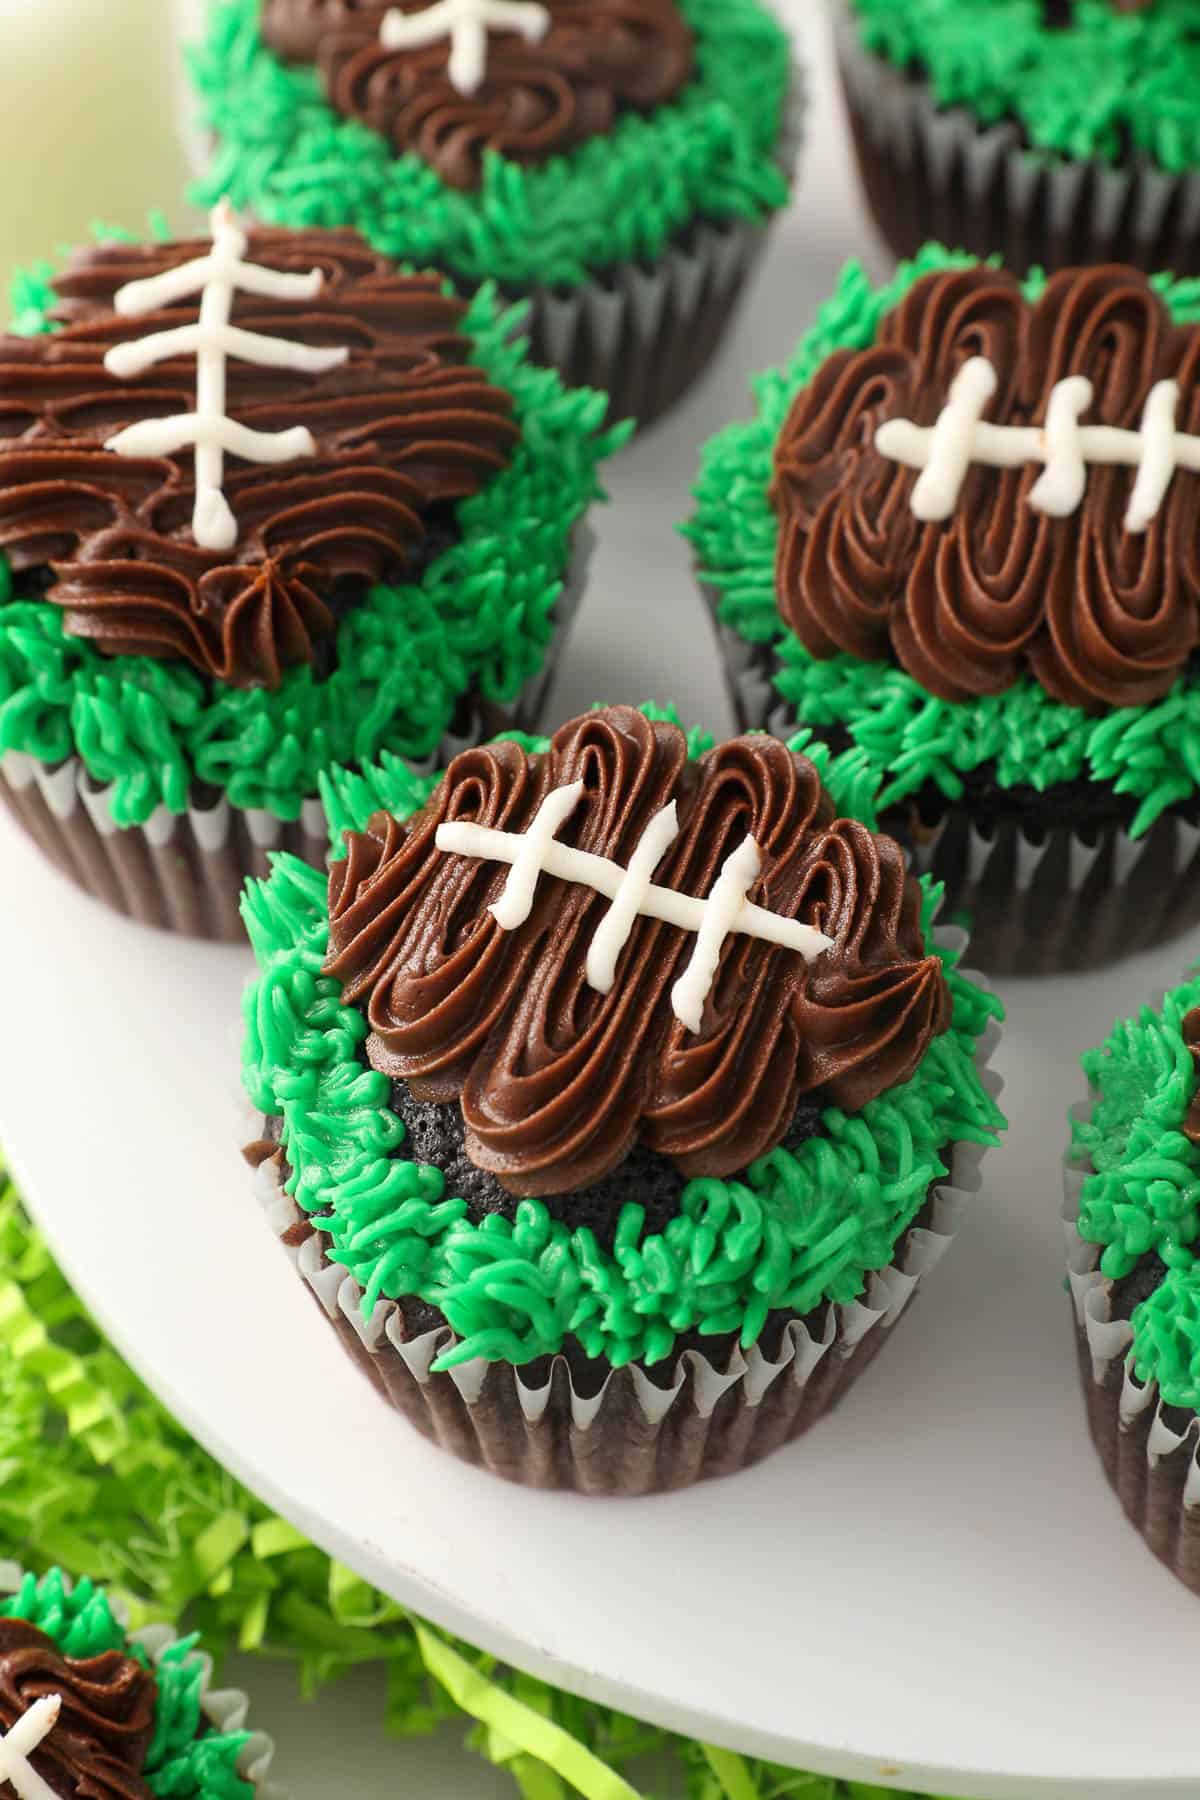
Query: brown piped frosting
{"type": "Point", "coordinates": [406, 425]}
{"type": "Point", "coordinates": [599, 58]}
{"type": "Point", "coordinates": [1098, 615]}
{"type": "Point", "coordinates": [557, 1081]}
{"type": "Point", "coordinates": [98, 1746]}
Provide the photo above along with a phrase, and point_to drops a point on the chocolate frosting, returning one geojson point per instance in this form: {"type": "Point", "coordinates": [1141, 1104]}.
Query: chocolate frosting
{"type": "Point", "coordinates": [537, 100]}
{"type": "Point", "coordinates": [1099, 616]}
{"type": "Point", "coordinates": [557, 1081]}
{"type": "Point", "coordinates": [98, 1746]}
{"type": "Point", "coordinates": [406, 425]}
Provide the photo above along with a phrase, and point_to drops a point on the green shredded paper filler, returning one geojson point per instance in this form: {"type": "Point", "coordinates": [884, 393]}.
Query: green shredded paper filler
{"type": "Point", "coordinates": [283, 152]}
{"type": "Point", "coordinates": [186, 1758]}
{"type": "Point", "coordinates": [481, 617]}
{"type": "Point", "coordinates": [910, 737]}
{"type": "Point", "coordinates": [794, 1230]}
{"type": "Point", "coordinates": [96, 1477]}
{"type": "Point", "coordinates": [1108, 84]}
{"type": "Point", "coordinates": [1143, 1197]}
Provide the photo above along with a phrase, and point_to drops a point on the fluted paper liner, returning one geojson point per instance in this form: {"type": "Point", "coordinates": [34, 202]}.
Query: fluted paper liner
{"type": "Point", "coordinates": [644, 332]}
{"type": "Point", "coordinates": [633, 1436]}
{"type": "Point", "coordinates": [1056, 903]}
{"type": "Point", "coordinates": [225, 1709]}
{"type": "Point", "coordinates": [184, 872]}
{"type": "Point", "coordinates": [938, 172]}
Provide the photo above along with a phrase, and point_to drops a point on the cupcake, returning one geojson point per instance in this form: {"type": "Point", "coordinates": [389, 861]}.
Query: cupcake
{"type": "Point", "coordinates": [347, 528]}
{"type": "Point", "coordinates": [613, 164]}
{"type": "Point", "coordinates": [957, 537]}
{"type": "Point", "coordinates": [1133, 1238]}
{"type": "Point", "coordinates": [87, 1707]}
{"type": "Point", "coordinates": [617, 1094]}
{"type": "Point", "coordinates": [1054, 132]}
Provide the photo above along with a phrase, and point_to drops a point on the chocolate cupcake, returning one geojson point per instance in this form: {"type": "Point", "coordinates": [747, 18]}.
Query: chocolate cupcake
{"type": "Point", "coordinates": [346, 528]}
{"type": "Point", "coordinates": [87, 1707]}
{"type": "Point", "coordinates": [1132, 1219]}
{"type": "Point", "coordinates": [612, 164]}
{"type": "Point", "coordinates": [612, 1168]}
{"type": "Point", "coordinates": [1053, 132]}
{"type": "Point", "coordinates": [958, 537]}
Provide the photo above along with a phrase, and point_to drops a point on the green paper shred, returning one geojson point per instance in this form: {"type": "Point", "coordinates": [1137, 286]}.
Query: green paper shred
{"type": "Point", "coordinates": [96, 1477]}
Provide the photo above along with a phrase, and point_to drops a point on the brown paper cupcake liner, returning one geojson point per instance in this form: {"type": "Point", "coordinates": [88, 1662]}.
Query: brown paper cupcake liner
{"type": "Point", "coordinates": [1059, 902]}
{"type": "Point", "coordinates": [638, 1432]}
{"type": "Point", "coordinates": [184, 872]}
{"type": "Point", "coordinates": [225, 1709]}
{"type": "Point", "coordinates": [936, 172]}
{"type": "Point", "coordinates": [1150, 1452]}
{"type": "Point", "coordinates": [643, 334]}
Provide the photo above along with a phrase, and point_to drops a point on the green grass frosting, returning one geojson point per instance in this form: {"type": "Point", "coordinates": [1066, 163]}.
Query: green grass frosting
{"type": "Point", "coordinates": [179, 1764]}
{"type": "Point", "coordinates": [795, 1229]}
{"type": "Point", "coordinates": [1111, 85]}
{"type": "Point", "coordinates": [711, 153]}
{"type": "Point", "coordinates": [1144, 1194]}
{"type": "Point", "coordinates": [479, 617]}
{"type": "Point", "coordinates": [910, 737]}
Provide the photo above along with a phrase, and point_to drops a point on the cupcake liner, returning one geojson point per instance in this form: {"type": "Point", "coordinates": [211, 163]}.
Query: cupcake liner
{"type": "Point", "coordinates": [933, 172]}
{"type": "Point", "coordinates": [645, 332]}
{"type": "Point", "coordinates": [1060, 901]}
{"type": "Point", "coordinates": [1152, 1464]}
{"type": "Point", "coordinates": [184, 872]}
{"type": "Point", "coordinates": [225, 1709]}
{"type": "Point", "coordinates": [640, 1432]}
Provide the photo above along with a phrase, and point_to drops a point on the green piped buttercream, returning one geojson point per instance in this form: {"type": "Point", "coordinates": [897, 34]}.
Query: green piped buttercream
{"type": "Point", "coordinates": [479, 617]}
{"type": "Point", "coordinates": [285, 153]}
{"type": "Point", "coordinates": [795, 1229]}
{"type": "Point", "coordinates": [179, 1763]}
{"type": "Point", "coordinates": [1110, 82]}
{"type": "Point", "coordinates": [1151, 753]}
{"type": "Point", "coordinates": [1143, 1197]}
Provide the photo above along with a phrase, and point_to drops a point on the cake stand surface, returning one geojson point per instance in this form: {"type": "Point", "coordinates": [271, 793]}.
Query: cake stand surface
{"type": "Point", "coordinates": [935, 1590]}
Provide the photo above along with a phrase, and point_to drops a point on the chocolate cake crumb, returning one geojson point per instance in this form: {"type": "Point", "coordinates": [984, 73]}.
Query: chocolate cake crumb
{"type": "Point", "coordinates": [436, 1135]}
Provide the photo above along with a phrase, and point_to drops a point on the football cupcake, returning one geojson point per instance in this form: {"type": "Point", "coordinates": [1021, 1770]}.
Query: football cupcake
{"type": "Point", "coordinates": [266, 504]}
{"type": "Point", "coordinates": [1133, 1240]}
{"type": "Point", "coordinates": [959, 536]}
{"type": "Point", "coordinates": [87, 1707]}
{"type": "Point", "coordinates": [613, 163]}
{"type": "Point", "coordinates": [1055, 132]}
{"type": "Point", "coordinates": [618, 1095]}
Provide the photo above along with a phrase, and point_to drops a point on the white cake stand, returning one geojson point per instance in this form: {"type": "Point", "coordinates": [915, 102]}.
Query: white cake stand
{"type": "Point", "coordinates": [935, 1590]}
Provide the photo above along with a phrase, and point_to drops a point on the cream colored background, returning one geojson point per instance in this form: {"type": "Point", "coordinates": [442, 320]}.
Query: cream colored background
{"type": "Point", "coordinates": [89, 120]}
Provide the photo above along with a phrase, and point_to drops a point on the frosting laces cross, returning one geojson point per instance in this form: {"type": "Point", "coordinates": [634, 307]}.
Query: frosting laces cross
{"type": "Point", "coordinates": [19, 1744]}
{"type": "Point", "coordinates": [466, 23]}
{"type": "Point", "coordinates": [945, 450]}
{"type": "Point", "coordinates": [217, 278]}
{"type": "Point", "coordinates": [631, 891]}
